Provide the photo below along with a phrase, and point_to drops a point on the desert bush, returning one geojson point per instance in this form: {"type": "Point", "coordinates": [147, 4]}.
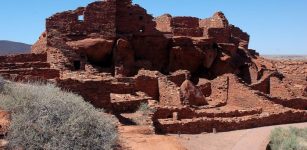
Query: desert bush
{"type": "Point", "coordinates": [144, 112]}
{"type": "Point", "coordinates": [144, 108]}
{"type": "Point", "coordinates": [45, 117]}
{"type": "Point", "coordinates": [288, 139]}
{"type": "Point", "coordinates": [1, 84]}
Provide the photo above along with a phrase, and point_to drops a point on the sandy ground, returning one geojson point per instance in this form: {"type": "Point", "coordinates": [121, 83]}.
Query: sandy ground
{"type": "Point", "coordinates": [250, 139]}
{"type": "Point", "coordinates": [142, 138]}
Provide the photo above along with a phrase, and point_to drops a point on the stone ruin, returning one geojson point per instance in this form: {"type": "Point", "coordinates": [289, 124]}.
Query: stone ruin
{"type": "Point", "coordinates": [199, 74]}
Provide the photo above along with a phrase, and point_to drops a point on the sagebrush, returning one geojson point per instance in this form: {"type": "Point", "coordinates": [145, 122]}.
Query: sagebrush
{"type": "Point", "coordinates": [288, 139]}
{"type": "Point", "coordinates": [45, 117]}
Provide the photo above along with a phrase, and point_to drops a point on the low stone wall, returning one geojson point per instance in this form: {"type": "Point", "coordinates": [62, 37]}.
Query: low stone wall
{"type": "Point", "coordinates": [23, 58]}
{"type": "Point", "coordinates": [13, 65]}
{"type": "Point", "coordinates": [199, 125]}
{"type": "Point", "coordinates": [36, 72]}
{"type": "Point", "coordinates": [96, 92]}
{"type": "Point", "coordinates": [296, 103]}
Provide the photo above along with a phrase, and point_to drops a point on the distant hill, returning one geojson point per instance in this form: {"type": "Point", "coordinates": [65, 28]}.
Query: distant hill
{"type": "Point", "coordinates": [286, 57]}
{"type": "Point", "coordinates": [10, 47]}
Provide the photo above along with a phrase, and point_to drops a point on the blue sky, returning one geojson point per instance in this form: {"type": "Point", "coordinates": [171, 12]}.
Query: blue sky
{"type": "Point", "coordinates": [275, 26]}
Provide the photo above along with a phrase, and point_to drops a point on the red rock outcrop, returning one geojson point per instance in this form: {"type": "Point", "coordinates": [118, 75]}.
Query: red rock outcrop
{"type": "Point", "coordinates": [192, 95]}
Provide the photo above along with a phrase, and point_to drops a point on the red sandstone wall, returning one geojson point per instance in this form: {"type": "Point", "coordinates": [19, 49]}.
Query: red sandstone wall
{"type": "Point", "coordinates": [148, 82]}
{"type": "Point", "coordinates": [169, 93]}
{"type": "Point", "coordinates": [100, 17]}
{"type": "Point", "coordinates": [216, 27]}
{"type": "Point", "coordinates": [97, 92]}
{"type": "Point", "coordinates": [133, 19]}
{"type": "Point", "coordinates": [185, 22]}
{"type": "Point", "coordinates": [22, 58]}
{"type": "Point", "coordinates": [164, 23]}
{"type": "Point", "coordinates": [196, 126]}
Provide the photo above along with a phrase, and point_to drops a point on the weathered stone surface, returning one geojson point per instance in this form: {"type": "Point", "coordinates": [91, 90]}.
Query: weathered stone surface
{"type": "Point", "coordinates": [216, 27]}
{"type": "Point", "coordinates": [147, 82]}
{"type": "Point", "coordinates": [153, 49]}
{"type": "Point", "coordinates": [41, 45]}
{"type": "Point", "coordinates": [209, 57]}
{"type": "Point", "coordinates": [164, 23]}
{"type": "Point", "coordinates": [187, 58]}
{"type": "Point", "coordinates": [96, 50]}
{"type": "Point", "coordinates": [124, 57]}
{"type": "Point", "coordinates": [191, 94]}
{"type": "Point", "coordinates": [169, 93]}
{"type": "Point", "coordinates": [205, 86]}
{"type": "Point", "coordinates": [179, 76]}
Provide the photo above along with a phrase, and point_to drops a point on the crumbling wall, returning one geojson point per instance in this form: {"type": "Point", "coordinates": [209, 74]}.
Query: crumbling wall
{"type": "Point", "coordinates": [186, 26]}
{"type": "Point", "coordinates": [216, 27]}
{"type": "Point", "coordinates": [151, 52]}
{"type": "Point", "coordinates": [97, 20]}
{"type": "Point", "coordinates": [179, 26]}
{"type": "Point", "coordinates": [133, 19]}
{"type": "Point", "coordinates": [238, 34]}
{"type": "Point", "coordinates": [164, 23]}
{"type": "Point", "coordinates": [169, 93]}
{"type": "Point", "coordinates": [97, 92]}
{"type": "Point", "coordinates": [200, 125]}
{"type": "Point", "coordinates": [100, 19]}
{"type": "Point", "coordinates": [147, 81]}
{"type": "Point", "coordinates": [40, 46]}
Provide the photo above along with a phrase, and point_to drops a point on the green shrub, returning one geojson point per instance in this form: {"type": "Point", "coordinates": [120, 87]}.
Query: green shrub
{"type": "Point", "coordinates": [45, 117]}
{"type": "Point", "coordinates": [144, 112]}
{"type": "Point", "coordinates": [288, 139]}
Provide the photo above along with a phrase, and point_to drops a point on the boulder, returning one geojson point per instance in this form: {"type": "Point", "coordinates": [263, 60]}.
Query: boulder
{"type": "Point", "coordinates": [97, 50]}
{"type": "Point", "coordinates": [124, 57]}
{"type": "Point", "coordinates": [209, 57]}
{"type": "Point", "coordinates": [205, 86]}
{"type": "Point", "coordinates": [185, 58]}
{"type": "Point", "coordinates": [152, 50]}
{"type": "Point", "coordinates": [222, 65]}
{"type": "Point", "coordinates": [191, 94]}
{"type": "Point", "coordinates": [179, 77]}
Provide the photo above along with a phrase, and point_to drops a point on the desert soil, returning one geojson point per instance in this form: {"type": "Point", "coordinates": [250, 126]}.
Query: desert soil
{"type": "Point", "coordinates": [142, 138]}
{"type": "Point", "coordinates": [251, 139]}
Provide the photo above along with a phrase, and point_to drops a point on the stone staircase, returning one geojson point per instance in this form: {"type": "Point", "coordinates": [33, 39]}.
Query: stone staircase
{"type": "Point", "coordinates": [27, 66]}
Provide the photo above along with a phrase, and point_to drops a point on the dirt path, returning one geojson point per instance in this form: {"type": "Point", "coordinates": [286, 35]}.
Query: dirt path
{"type": "Point", "coordinates": [251, 139]}
{"type": "Point", "coordinates": [142, 138]}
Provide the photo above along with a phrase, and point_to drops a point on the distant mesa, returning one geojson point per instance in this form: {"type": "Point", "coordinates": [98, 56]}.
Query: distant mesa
{"type": "Point", "coordinates": [11, 47]}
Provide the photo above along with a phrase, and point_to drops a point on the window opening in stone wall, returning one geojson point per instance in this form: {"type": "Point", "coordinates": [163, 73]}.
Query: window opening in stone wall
{"type": "Point", "coordinates": [141, 18]}
{"type": "Point", "coordinates": [77, 65]}
{"type": "Point", "coordinates": [81, 18]}
{"type": "Point", "coordinates": [142, 29]}
{"type": "Point", "coordinates": [83, 56]}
